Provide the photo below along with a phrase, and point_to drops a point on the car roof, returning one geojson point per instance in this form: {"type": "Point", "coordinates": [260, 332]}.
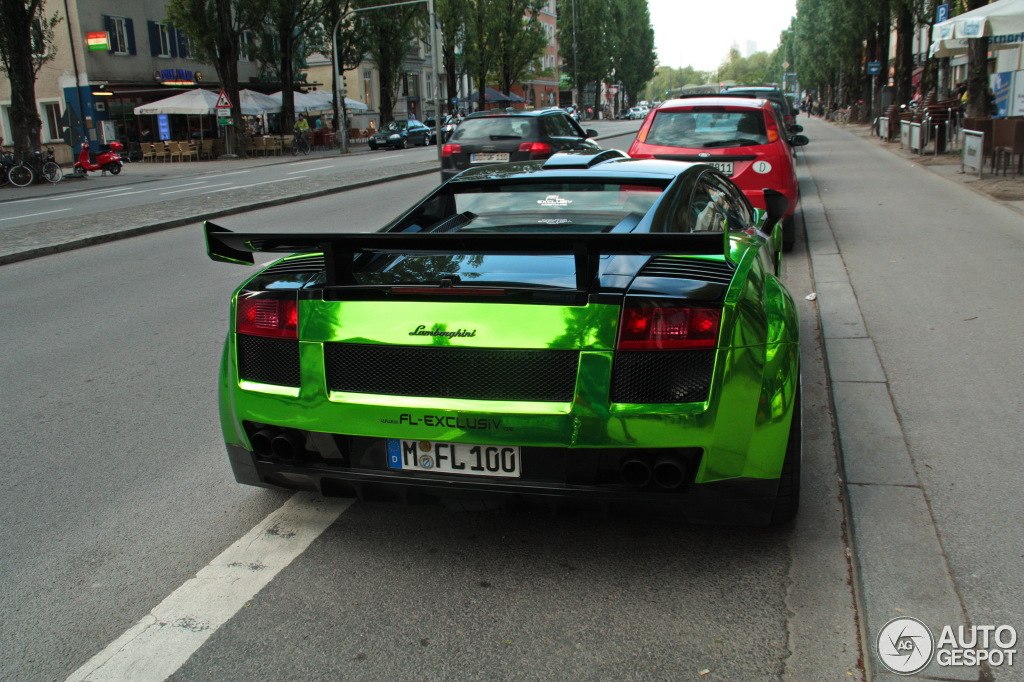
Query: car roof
{"type": "Point", "coordinates": [514, 112]}
{"type": "Point", "coordinates": [714, 101]}
{"type": "Point", "coordinates": [583, 164]}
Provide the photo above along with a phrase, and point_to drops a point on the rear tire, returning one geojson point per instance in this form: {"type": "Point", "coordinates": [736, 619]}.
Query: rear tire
{"type": "Point", "coordinates": [787, 499]}
{"type": "Point", "coordinates": [22, 176]}
{"type": "Point", "coordinates": [788, 233]}
{"type": "Point", "coordinates": [113, 168]}
{"type": "Point", "coordinates": [52, 172]}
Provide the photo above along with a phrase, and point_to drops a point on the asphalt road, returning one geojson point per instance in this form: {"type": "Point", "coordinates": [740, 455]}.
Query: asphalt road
{"type": "Point", "coordinates": [120, 495]}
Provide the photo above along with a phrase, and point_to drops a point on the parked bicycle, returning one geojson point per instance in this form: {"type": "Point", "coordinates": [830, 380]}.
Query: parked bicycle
{"type": "Point", "coordinates": [6, 163]}
{"type": "Point", "coordinates": [35, 167]}
{"type": "Point", "coordinates": [300, 143]}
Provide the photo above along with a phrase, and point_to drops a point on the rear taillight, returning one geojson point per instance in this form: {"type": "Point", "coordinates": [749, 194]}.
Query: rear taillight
{"type": "Point", "coordinates": [641, 155]}
{"type": "Point", "coordinates": [261, 316]}
{"type": "Point", "coordinates": [450, 149]}
{"type": "Point", "coordinates": [656, 328]}
{"type": "Point", "coordinates": [773, 128]}
{"type": "Point", "coordinates": [537, 148]}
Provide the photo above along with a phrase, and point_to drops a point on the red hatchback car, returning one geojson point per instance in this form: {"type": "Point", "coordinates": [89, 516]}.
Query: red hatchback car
{"type": "Point", "coordinates": [740, 137]}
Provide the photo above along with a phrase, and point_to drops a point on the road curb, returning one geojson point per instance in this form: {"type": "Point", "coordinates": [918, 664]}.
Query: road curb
{"type": "Point", "coordinates": [115, 234]}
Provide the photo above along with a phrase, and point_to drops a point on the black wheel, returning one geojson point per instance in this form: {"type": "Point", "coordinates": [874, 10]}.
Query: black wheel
{"type": "Point", "coordinates": [295, 147]}
{"type": "Point", "coordinates": [787, 499]}
{"type": "Point", "coordinates": [52, 172]}
{"type": "Point", "coordinates": [304, 147]}
{"type": "Point", "coordinates": [788, 233]}
{"type": "Point", "coordinates": [22, 176]}
{"type": "Point", "coordinates": [113, 168]}
{"type": "Point", "coordinates": [404, 144]}
{"type": "Point", "coordinates": [373, 147]}
{"type": "Point", "coordinates": [3, 176]}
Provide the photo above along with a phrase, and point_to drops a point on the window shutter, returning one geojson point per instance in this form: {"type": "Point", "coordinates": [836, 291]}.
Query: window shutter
{"type": "Point", "coordinates": [108, 26]}
{"type": "Point", "coordinates": [182, 41]}
{"type": "Point", "coordinates": [154, 38]}
{"type": "Point", "coordinates": [172, 38]}
{"type": "Point", "coordinates": [129, 28]}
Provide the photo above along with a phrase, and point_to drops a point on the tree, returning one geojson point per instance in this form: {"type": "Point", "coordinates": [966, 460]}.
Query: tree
{"type": "Point", "coordinates": [451, 18]}
{"type": "Point", "coordinates": [21, 60]}
{"type": "Point", "coordinates": [215, 28]}
{"type": "Point", "coordinates": [584, 37]}
{"type": "Point", "coordinates": [392, 31]}
{"type": "Point", "coordinates": [352, 45]}
{"type": "Point", "coordinates": [634, 58]}
{"type": "Point", "coordinates": [977, 71]}
{"type": "Point", "coordinates": [519, 40]}
{"type": "Point", "coordinates": [752, 70]}
{"type": "Point", "coordinates": [280, 28]}
{"type": "Point", "coordinates": [479, 52]}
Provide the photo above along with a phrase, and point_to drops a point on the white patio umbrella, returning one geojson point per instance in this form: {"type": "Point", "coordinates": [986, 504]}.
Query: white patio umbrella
{"type": "Point", "coordinates": [193, 102]}
{"type": "Point", "coordinates": [256, 103]}
{"type": "Point", "coordinates": [303, 102]}
{"type": "Point", "coordinates": [1004, 18]}
{"type": "Point", "coordinates": [326, 97]}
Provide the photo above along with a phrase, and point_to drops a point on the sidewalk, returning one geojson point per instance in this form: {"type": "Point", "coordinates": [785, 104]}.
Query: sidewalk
{"type": "Point", "coordinates": [65, 234]}
{"type": "Point", "coordinates": [1008, 189]}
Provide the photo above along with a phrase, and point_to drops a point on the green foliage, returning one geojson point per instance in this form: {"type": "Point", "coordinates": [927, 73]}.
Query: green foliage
{"type": "Point", "coordinates": [519, 41]}
{"type": "Point", "coordinates": [632, 37]}
{"type": "Point", "coordinates": [20, 61]}
{"type": "Point", "coordinates": [392, 32]}
{"type": "Point", "coordinates": [753, 70]}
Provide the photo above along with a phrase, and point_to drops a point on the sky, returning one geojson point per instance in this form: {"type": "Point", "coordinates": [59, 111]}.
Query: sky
{"type": "Point", "coordinates": [699, 33]}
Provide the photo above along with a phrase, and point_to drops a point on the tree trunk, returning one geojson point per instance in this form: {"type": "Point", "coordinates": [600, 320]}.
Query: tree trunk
{"type": "Point", "coordinates": [24, 116]}
{"type": "Point", "coordinates": [904, 55]}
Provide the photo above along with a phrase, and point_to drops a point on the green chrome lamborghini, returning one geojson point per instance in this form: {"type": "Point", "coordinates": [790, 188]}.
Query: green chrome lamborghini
{"type": "Point", "coordinates": [588, 330]}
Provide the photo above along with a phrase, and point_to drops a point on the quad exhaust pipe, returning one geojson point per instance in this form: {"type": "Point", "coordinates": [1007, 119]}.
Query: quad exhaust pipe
{"type": "Point", "coordinates": [286, 445]}
{"type": "Point", "coordinates": [667, 473]}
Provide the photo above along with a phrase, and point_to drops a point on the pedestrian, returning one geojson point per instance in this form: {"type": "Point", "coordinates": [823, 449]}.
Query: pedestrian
{"type": "Point", "coordinates": [319, 123]}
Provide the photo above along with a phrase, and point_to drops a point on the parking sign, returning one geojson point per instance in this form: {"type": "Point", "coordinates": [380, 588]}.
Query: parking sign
{"type": "Point", "coordinates": [941, 13]}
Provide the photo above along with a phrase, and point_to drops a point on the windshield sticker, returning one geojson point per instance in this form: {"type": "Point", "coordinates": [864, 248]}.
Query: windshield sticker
{"type": "Point", "coordinates": [555, 221]}
{"type": "Point", "coordinates": [554, 200]}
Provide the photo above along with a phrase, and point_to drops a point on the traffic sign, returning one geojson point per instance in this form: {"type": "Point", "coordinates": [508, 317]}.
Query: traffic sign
{"type": "Point", "coordinates": [223, 102]}
{"type": "Point", "coordinates": [941, 13]}
{"type": "Point", "coordinates": [874, 68]}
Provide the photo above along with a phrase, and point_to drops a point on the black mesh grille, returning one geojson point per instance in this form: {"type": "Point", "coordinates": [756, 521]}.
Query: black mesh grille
{"type": "Point", "coordinates": [688, 268]}
{"type": "Point", "coordinates": [470, 373]}
{"type": "Point", "coordinates": [268, 361]}
{"type": "Point", "coordinates": [662, 376]}
{"type": "Point", "coordinates": [311, 264]}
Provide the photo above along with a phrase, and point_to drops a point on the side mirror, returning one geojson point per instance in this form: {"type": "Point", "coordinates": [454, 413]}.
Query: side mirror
{"type": "Point", "coordinates": [591, 133]}
{"type": "Point", "coordinates": [796, 129]}
{"type": "Point", "coordinates": [776, 204]}
{"type": "Point", "coordinates": [799, 141]}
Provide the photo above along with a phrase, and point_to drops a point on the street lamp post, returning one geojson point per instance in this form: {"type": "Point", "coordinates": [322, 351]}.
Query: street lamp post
{"type": "Point", "coordinates": [434, 50]}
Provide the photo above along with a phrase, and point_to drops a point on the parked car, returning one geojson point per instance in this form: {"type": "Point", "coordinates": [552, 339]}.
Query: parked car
{"type": "Point", "coordinates": [589, 329]}
{"type": "Point", "coordinates": [769, 92]}
{"type": "Point", "coordinates": [503, 136]}
{"type": "Point", "coordinates": [401, 134]}
{"type": "Point", "coordinates": [448, 124]}
{"type": "Point", "coordinates": [636, 113]}
{"type": "Point", "coordinates": [742, 138]}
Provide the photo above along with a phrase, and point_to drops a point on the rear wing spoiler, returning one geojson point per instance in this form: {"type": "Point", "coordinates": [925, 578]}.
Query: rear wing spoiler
{"type": "Point", "coordinates": [340, 250]}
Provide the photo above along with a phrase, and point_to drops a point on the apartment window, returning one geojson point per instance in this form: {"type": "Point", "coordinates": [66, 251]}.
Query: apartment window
{"type": "Point", "coordinates": [368, 87]}
{"type": "Point", "coordinates": [161, 42]}
{"type": "Point", "coordinates": [245, 47]}
{"type": "Point", "coordinates": [52, 127]}
{"type": "Point", "coordinates": [122, 34]}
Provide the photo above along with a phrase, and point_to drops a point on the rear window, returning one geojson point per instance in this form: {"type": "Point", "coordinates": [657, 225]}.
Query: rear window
{"type": "Point", "coordinates": [497, 128]}
{"type": "Point", "coordinates": [556, 206]}
{"type": "Point", "coordinates": [708, 129]}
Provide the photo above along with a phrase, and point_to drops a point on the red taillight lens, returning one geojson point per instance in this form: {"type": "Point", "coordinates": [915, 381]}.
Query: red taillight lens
{"type": "Point", "coordinates": [267, 317]}
{"type": "Point", "coordinates": [657, 328]}
{"type": "Point", "coordinates": [537, 148]}
{"type": "Point", "coordinates": [773, 128]}
{"type": "Point", "coordinates": [641, 155]}
{"type": "Point", "coordinates": [450, 149]}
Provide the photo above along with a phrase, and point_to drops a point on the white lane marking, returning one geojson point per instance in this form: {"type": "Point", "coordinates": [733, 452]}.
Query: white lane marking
{"type": "Point", "coordinates": [256, 184]}
{"type": "Point", "coordinates": [122, 194]}
{"type": "Point", "coordinates": [163, 640]}
{"type": "Point", "coordinates": [87, 194]}
{"type": "Point", "coordinates": [307, 170]}
{"type": "Point", "coordinates": [221, 175]}
{"type": "Point", "coordinates": [30, 215]}
{"type": "Point", "coordinates": [219, 184]}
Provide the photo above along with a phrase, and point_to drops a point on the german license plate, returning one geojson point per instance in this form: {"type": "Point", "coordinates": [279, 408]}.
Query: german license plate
{"type": "Point", "coordinates": [453, 458]}
{"type": "Point", "coordinates": [488, 157]}
{"type": "Point", "coordinates": [724, 167]}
